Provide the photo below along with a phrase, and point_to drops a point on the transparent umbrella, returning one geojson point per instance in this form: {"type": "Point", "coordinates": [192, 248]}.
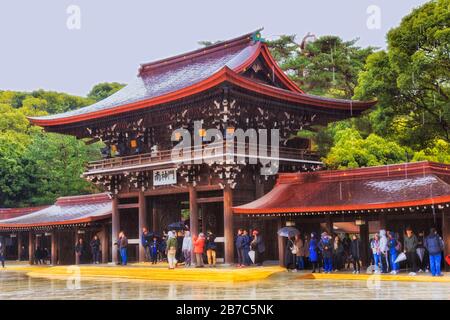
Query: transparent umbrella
{"type": "Point", "coordinates": [288, 232]}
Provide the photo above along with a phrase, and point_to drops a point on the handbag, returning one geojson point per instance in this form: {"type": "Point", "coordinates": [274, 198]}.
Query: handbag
{"type": "Point", "coordinates": [294, 249]}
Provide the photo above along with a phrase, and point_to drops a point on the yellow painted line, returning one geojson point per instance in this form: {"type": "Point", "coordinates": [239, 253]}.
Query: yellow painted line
{"type": "Point", "coordinates": [365, 277]}
{"type": "Point", "coordinates": [154, 273]}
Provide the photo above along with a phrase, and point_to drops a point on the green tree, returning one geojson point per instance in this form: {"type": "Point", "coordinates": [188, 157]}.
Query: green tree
{"type": "Point", "coordinates": [412, 78]}
{"type": "Point", "coordinates": [351, 150]}
{"type": "Point", "coordinates": [326, 66]}
{"type": "Point", "coordinates": [104, 90]}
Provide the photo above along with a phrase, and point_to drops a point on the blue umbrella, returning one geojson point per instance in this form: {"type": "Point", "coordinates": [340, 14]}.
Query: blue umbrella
{"type": "Point", "coordinates": [176, 226]}
{"type": "Point", "coordinates": [288, 232]}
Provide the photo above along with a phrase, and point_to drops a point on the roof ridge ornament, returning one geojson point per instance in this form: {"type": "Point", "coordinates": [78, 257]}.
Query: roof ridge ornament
{"type": "Point", "coordinates": [257, 37]}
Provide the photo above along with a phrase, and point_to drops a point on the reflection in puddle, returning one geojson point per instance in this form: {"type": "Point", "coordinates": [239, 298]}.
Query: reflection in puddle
{"type": "Point", "coordinates": [284, 286]}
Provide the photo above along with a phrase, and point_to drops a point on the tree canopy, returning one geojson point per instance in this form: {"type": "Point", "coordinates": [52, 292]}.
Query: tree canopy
{"type": "Point", "coordinates": [37, 167]}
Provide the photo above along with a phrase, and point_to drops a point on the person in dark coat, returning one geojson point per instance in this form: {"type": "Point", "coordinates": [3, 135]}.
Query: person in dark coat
{"type": "Point", "coordinates": [424, 260]}
{"type": "Point", "coordinates": [162, 248]}
{"type": "Point", "coordinates": [355, 251]}
{"type": "Point", "coordinates": [326, 247]}
{"type": "Point", "coordinates": [257, 244]}
{"type": "Point", "coordinates": [95, 249]}
{"type": "Point", "coordinates": [246, 247]}
{"type": "Point", "coordinates": [123, 247]}
{"type": "Point", "coordinates": [289, 255]}
{"type": "Point", "coordinates": [2, 254]}
{"type": "Point", "coordinates": [346, 242]}
{"type": "Point", "coordinates": [338, 254]}
{"type": "Point", "coordinates": [410, 246]}
{"type": "Point", "coordinates": [239, 241]}
{"type": "Point", "coordinates": [179, 254]}
{"type": "Point", "coordinates": [153, 247]}
{"type": "Point", "coordinates": [211, 248]}
{"type": "Point", "coordinates": [80, 250]}
{"type": "Point", "coordinates": [145, 241]}
{"type": "Point", "coordinates": [38, 255]}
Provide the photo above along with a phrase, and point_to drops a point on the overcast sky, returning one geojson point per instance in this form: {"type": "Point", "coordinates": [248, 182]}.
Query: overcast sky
{"type": "Point", "coordinates": [38, 50]}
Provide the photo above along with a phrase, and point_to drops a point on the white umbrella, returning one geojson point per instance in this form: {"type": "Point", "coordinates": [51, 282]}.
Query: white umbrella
{"type": "Point", "coordinates": [251, 254]}
{"type": "Point", "coordinates": [420, 253]}
{"type": "Point", "coordinates": [401, 257]}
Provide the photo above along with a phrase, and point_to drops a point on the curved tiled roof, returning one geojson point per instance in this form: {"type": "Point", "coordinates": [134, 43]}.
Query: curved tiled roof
{"type": "Point", "coordinates": [410, 185]}
{"type": "Point", "coordinates": [6, 213]}
{"type": "Point", "coordinates": [183, 75]}
{"type": "Point", "coordinates": [66, 211]}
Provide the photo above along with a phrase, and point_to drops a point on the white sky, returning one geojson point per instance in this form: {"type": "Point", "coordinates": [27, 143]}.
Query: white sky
{"type": "Point", "coordinates": [37, 50]}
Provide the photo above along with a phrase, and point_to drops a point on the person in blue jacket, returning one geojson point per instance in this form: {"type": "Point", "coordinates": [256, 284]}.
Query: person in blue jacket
{"type": "Point", "coordinates": [145, 241]}
{"type": "Point", "coordinates": [240, 251]}
{"type": "Point", "coordinates": [326, 247]}
{"type": "Point", "coordinates": [393, 245]}
{"type": "Point", "coordinates": [153, 248]}
{"type": "Point", "coordinates": [246, 247]}
{"type": "Point", "coordinates": [435, 245]}
{"type": "Point", "coordinates": [313, 252]}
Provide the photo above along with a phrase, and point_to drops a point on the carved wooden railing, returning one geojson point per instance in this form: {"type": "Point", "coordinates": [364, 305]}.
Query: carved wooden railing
{"type": "Point", "coordinates": [285, 154]}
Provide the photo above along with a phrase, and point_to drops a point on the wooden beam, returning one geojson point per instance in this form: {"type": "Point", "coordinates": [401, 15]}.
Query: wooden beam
{"type": "Point", "coordinates": [128, 206]}
{"type": "Point", "coordinates": [210, 200]}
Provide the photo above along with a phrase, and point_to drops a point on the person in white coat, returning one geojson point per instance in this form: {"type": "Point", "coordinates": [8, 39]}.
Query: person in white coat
{"type": "Point", "coordinates": [384, 251]}
{"type": "Point", "coordinates": [187, 248]}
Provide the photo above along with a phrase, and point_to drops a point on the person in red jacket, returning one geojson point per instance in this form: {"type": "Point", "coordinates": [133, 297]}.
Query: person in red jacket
{"type": "Point", "coordinates": [199, 245]}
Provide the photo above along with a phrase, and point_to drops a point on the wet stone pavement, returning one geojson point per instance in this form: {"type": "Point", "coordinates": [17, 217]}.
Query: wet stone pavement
{"type": "Point", "coordinates": [16, 285]}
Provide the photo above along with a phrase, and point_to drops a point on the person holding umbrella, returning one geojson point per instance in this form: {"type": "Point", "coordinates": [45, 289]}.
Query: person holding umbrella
{"type": "Point", "coordinates": [290, 253]}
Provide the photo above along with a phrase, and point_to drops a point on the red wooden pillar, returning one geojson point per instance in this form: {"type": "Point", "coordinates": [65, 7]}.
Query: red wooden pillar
{"type": "Point", "coordinates": [228, 224]}
{"type": "Point", "coordinates": [446, 234]}
{"type": "Point", "coordinates": [142, 223]}
{"type": "Point", "coordinates": [281, 244]}
{"type": "Point", "coordinates": [193, 210]}
{"type": "Point", "coordinates": [19, 245]}
{"type": "Point", "coordinates": [54, 248]}
{"type": "Point", "coordinates": [115, 219]}
{"type": "Point", "coordinates": [77, 257]}
{"type": "Point", "coordinates": [31, 241]}
{"type": "Point", "coordinates": [104, 243]}
{"type": "Point", "coordinates": [155, 218]}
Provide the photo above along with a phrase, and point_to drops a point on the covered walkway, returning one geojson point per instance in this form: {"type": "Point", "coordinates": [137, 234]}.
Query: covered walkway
{"type": "Point", "coordinates": [55, 228]}
{"type": "Point", "coordinates": [392, 197]}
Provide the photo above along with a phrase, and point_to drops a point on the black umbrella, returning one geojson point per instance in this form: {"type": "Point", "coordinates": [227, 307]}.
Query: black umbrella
{"type": "Point", "coordinates": [176, 226]}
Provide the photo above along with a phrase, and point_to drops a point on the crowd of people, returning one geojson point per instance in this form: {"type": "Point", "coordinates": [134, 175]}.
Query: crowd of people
{"type": "Point", "coordinates": [180, 247]}
{"type": "Point", "coordinates": [334, 253]}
